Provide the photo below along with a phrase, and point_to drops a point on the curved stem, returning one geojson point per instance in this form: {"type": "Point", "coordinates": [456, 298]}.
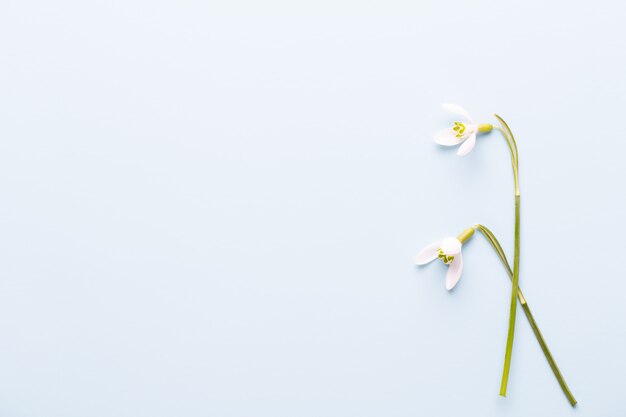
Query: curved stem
{"type": "Point", "coordinates": [508, 135]}
{"type": "Point", "coordinates": [531, 320]}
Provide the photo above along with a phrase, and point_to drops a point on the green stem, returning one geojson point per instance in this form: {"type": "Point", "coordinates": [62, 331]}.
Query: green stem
{"type": "Point", "coordinates": [508, 135]}
{"type": "Point", "coordinates": [531, 320]}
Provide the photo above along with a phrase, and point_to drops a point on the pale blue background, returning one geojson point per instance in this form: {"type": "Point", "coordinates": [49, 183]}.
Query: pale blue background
{"type": "Point", "coordinates": [212, 208]}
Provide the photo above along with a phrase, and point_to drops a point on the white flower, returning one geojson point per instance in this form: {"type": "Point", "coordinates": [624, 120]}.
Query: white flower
{"type": "Point", "coordinates": [449, 251]}
{"type": "Point", "coordinates": [463, 132]}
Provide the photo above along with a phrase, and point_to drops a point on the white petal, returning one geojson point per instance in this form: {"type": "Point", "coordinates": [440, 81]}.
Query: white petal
{"type": "Point", "coordinates": [467, 146]}
{"type": "Point", "coordinates": [456, 109]}
{"type": "Point", "coordinates": [454, 271]}
{"type": "Point", "coordinates": [451, 246]}
{"type": "Point", "coordinates": [447, 137]}
{"type": "Point", "coordinates": [428, 254]}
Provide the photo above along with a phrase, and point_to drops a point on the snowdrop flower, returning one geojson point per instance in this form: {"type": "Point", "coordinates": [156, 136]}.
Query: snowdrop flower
{"type": "Point", "coordinates": [449, 251]}
{"type": "Point", "coordinates": [463, 132]}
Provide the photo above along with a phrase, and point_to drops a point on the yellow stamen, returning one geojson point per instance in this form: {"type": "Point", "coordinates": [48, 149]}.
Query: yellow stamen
{"type": "Point", "coordinates": [447, 259]}
{"type": "Point", "coordinates": [459, 128]}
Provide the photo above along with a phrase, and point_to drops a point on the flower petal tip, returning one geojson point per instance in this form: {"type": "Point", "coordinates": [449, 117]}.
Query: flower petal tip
{"type": "Point", "coordinates": [423, 260]}
{"type": "Point", "coordinates": [428, 254]}
{"type": "Point", "coordinates": [467, 146]}
{"type": "Point", "coordinates": [454, 272]}
{"type": "Point", "coordinates": [456, 109]}
{"type": "Point", "coordinates": [446, 137]}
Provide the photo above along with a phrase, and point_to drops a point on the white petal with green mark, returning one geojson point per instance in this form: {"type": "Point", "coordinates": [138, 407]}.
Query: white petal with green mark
{"type": "Point", "coordinates": [451, 246]}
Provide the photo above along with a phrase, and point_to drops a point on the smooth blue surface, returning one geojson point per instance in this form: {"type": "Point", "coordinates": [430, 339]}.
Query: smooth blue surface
{"type": "Point", "coordinates": [212, 208]}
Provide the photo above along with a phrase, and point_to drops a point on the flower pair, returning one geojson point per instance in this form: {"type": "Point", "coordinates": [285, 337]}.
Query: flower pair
{"type": "Point", "coordinates": [448, 250]}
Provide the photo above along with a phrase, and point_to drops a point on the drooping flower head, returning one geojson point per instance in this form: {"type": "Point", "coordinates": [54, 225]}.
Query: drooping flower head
{"type": "Point", "coordinates": [462, 132]}
{"type": "Point", "coordinates": [448, 250]}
